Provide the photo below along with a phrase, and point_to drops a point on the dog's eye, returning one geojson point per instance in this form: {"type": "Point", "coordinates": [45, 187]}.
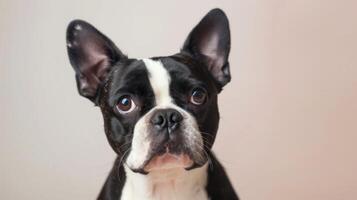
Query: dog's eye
{"type": "Point", "coordinates": [125, 104]}
{"type": "Point", "coordinates": [198, 96]}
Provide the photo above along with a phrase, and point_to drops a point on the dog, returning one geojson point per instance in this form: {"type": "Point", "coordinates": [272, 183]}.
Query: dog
{"type": "Point", "coordinates": [160, 114]}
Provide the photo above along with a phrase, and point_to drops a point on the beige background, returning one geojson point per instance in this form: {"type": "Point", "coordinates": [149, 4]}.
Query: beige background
{"type": "Point", "coordinates": [289, 117]}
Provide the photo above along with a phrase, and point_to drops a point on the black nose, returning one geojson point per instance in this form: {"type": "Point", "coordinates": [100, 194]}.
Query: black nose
{"type": "Point", "coordinates": [169, 119]}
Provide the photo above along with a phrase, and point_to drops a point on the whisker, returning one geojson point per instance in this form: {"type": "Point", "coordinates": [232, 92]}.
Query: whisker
{"type": "Point", "coordinates": [208, 134]}
{"type": "Point", "coordinates": [209, 160]}
{"type": "Point", "coordinates": [122, 161]}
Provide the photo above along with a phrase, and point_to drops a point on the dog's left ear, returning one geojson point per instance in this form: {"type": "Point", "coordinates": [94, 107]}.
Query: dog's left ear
{"type": "Point", "coordinates": [209, 42]}
{"type": "Point", "coordinates": [92, 55]}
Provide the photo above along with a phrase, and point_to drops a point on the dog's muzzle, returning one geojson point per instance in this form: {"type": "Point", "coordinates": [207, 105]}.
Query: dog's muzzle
{"type": "Point", "coordinates": [166, 138]}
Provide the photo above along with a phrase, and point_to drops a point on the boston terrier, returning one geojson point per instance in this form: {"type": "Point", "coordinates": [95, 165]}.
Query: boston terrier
{"type": "Point", "coordinates": [160, 114]}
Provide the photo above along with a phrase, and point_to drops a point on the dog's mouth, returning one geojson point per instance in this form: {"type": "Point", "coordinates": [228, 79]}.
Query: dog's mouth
{"type": "Point", "coordinates": [168, 161]}
{"type": "Point", "coordinates": [168, 156]}
{"type": "Point", "coordinates": [174, 154]}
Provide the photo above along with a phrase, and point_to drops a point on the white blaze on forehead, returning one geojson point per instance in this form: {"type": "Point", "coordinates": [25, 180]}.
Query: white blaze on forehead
{"type": "Point", "coordinates": [159, 80]}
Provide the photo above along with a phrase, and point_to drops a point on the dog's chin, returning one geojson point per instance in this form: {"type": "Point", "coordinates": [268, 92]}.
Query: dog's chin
{"type": "Point", "coordinates": [166, 162]}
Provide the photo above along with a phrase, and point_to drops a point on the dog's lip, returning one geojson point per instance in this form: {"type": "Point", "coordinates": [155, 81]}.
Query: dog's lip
{"type": "Point", "coordinates": [168, 161]}
{"type": "Point", "coordinates": [188, 164]}
{"type": "Point", "coordinates": [145, 168]}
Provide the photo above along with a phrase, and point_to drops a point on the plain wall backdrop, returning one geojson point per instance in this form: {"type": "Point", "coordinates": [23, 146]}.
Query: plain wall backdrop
{"type": "Point", "coordinates": [289, 117]}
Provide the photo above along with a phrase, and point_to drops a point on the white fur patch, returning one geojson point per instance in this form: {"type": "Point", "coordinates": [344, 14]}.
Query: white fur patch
{"type": "Point", "coordinates": [174, 184]}
{"type": "Point", "coordinates": [159, 80]}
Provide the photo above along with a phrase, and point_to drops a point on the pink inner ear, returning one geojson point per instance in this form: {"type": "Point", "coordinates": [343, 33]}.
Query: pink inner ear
{"type": "Point", "coordinates": [96, 62]}
{"type": "Point", "coordinates": [209, 47]}
{"type": "Point", "coordinates": [94, 65]}
{"type": "Point", "coordinates": [94, 73]}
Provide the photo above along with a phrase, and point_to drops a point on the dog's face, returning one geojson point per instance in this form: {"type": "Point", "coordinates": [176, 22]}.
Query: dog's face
{"type": "Point", "coordinates": [161, 112]}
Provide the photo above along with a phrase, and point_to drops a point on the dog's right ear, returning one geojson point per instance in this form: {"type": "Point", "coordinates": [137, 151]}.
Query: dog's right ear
{"type": "Point", "coordinates": [92, 55]}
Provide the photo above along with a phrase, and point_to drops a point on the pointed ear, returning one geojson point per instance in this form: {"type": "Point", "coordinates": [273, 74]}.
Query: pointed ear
{"type": "Point", "coordinates": [92, 55]}
{"type": "Point", "coordinates": [209, 42]}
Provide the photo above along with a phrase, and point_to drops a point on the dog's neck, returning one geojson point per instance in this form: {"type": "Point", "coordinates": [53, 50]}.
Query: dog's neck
{"type": "Point", "coordinates": [177, 184]}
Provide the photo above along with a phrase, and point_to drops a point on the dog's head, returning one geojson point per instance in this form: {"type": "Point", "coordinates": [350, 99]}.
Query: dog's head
{"type": "Point", "coordinates": [161, 112]}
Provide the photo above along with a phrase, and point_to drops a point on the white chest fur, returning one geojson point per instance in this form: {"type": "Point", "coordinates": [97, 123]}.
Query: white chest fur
{"type": "Point", "coordinates": [172, 184]}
